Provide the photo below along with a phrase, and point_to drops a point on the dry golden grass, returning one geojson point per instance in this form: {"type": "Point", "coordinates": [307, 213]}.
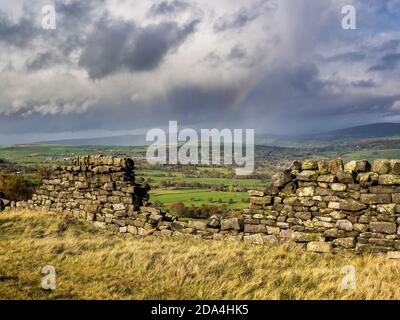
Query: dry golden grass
{"type": "Point", "coordinates": [93, 264]}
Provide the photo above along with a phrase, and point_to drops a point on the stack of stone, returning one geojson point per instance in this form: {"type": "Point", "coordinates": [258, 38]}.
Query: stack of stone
{"type": "Point", "coordinates": [97, 188]}
{"type": "Point", "coordinates": [329, 207]}
{"type": "Point", "coordinates": [103, 190]}
{"type": "Point", "coordinates": [151, 221]}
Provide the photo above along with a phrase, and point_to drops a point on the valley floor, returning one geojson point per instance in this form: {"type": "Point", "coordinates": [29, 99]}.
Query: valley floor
{"type": "Point", "coordinates": [93, 264]}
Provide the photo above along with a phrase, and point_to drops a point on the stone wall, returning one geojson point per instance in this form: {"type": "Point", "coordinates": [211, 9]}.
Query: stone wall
{"type": "Point", "coordinates": [324, 206]}
{"type": "Point", "coordinates": [328, 206]}
{"type": "Point", "coordinates": [103, 190]}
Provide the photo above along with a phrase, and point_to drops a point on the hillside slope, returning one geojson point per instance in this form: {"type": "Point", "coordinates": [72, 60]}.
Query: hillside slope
{"type": "Point", "coordinates": [93, 264]}
{"type": "Point", "coordinates": [373, 130]}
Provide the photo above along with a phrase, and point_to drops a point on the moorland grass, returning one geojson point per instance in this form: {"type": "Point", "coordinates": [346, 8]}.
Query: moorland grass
{"type": "Point", "coordinates": [94, 264]}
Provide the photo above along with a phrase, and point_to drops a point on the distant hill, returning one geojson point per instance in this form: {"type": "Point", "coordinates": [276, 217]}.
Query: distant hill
{"type": "Point", "coordinates": [126, 140]}
{"type": "Point", "coordinates": [374, 130]}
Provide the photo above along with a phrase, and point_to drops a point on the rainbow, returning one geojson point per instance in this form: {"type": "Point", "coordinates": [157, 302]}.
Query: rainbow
{"type": "Point", "coordinates": [245, 91]}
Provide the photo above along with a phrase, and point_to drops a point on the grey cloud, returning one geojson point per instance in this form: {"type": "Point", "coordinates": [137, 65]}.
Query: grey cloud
{"type": "Point", "coordinates": [388, 62]}
{"type": "Point", "coordinates": [237, 21]}
{"type": "Point", "coordinates": [292, 95]}
{"type": "Point", "coordinates": [168, 8]}
{"type": "Point", "coordinates": [244, 16]}
{"type": "Point", "coordinates": [364, 83]}
{"type": "Point", "coordinates": [114, 46]}
{"type": "Point", "coordinates": [212, 59]}
{"type": "Point", "coordinates": [305, 78]}
{"type": "Point", "coordinates": [237, 53]}
{"type": "Point", "coordinates": [18, 34]}
{"type": "Point", "coordinates": [391, 45]}
{"type": "Point", "coordinates": [44, 60]}
{"type": "Point", "coordinates": [347, 57]}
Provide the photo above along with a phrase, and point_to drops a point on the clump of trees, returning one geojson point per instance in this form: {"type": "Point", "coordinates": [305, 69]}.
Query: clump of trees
{"type": "Point", "coordinates": [16, 187]}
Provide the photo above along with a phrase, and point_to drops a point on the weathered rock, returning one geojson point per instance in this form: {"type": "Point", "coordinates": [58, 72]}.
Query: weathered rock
{"type": "Point", "coordinates": [383, 227]}
{"type": "Point", "coordinates": [256, 193]}
{"type": "Point", "coordinates": [345, 177]}
{"type": "Point", "coordinates": [375, 198]}
{"type": "Point", "coordinates": [214, 221]}
{"type": "Point", "coordinates": [319, 247]}
{"type": "Point", "coordinates": [389, 179]}
{"type": "Point", "coordinates": [368, 179]}
{"type": "Point", "coordinates": [344, 225]}
{"type": "Point", "coordinates": [309, 165]}
{"type": "Point", "coordinates": [395, 167]}
{"type": "Point", "coordinates": [350, 166]}
{"type": "Point", "coordinates": [387, 209]}
{"type": "Point", "coordinates": [360, 227]}
{"type": "Point", "coordinates": [323, 167]}
{"type": "Point", "coordinates": [308, 175]}
{"type": "Point", "coordinates": [328, 178]}
{"type": "Point", "coordinates": [255, 228]}
{"type": "Point", "coordinates": [340, 187]}
{"type": "Point", "coordinates": [270, 240]}
{"type": "Point", "coordinates": [256, 239]}
{"type": "Point", "coordinates": [381, 166]}
{"type": "Point", "coordinates": [336, 166]}
{"type": "Point", "coordinates": [280, 179]}
{"type": "Point", "coordinates": [305, 192]}
{"type": "Point", "coordinates": [347, 243]}
{"type": "Point", "coordinates": [232, 224]}
{"type": "Point", "coordinates": [362, 166]}
{"type": "Point", "coordinates": [351, 205]}
{"type": "Point", "coordinates": [306, 237]}
{"type": "Point", "coordinates": [296, 165]}
{"type": "Point", "coordinates": [396, 198]}
{"type": "Point", "coordinates": [198, 225]}
{"type": "Point", "coordinates": [261, 200]}
{"type": "Point", "coordinates": [290, 188]}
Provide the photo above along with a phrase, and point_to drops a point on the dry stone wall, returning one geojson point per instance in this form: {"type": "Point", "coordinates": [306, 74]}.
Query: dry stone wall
{"type": "Point", "coordinates": [328, 206]}
{"type": "Point", "coordinates": [325, 206]}
{"type": "Point", "coordinates": [103, 190]}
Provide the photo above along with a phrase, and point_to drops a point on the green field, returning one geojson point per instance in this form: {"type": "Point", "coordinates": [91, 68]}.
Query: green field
{"type": "Point", "coordinates": [38, 154]}
{"type": "Point", "coordinates": [198, 197]}
{"type": "Point", "coordinates": [372, 155]}
{"type": "Point", "coordinates": [249, 183]}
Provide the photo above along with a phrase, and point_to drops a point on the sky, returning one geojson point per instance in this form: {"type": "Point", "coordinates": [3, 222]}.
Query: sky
{"type": "Point", "coordinates": [116, 66]}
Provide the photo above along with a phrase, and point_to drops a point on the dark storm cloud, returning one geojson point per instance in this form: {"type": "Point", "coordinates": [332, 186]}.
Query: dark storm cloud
{"type": "Point", "coordinates": [388, 62]}
{"type": "Point", "coordinates": [364, 83]}
{"type": "Point", "coordinates": [74, 18]}
{"type": "Point", "coordinates": [168, 8]}
{"type": "Point", "coordinates": [18, 34]}
{"type": "Point", "coordinates": [237, 53]}
{"type": "Point", "coordinates": [305, 78]}
{"type": "Point", "coordinates": [243, 16]}
{"type": "Point", "coordinates": [237, 21]}
{"type": "Point", "coordinates": [257, 80]}
{"type": "Point", "coordinates": [189, 104]}
{"type": "Point", "coordinates": [115, 45]}
{"type": "Point", "coordinates": [44, 60]}
{"type": "Point", "coordinates": [347, 57]}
